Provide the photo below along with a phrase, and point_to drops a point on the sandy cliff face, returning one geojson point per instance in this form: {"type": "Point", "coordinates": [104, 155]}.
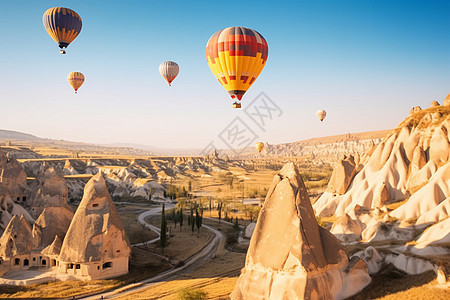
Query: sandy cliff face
{"type": "Point", "coordinates": [322, 150]}
{"type": "Point", "coordinates": [411, 162]}
{"type": "Point", "coordinates": [402, 188]}
{"type": "Point", "coordinates": [290, 256]}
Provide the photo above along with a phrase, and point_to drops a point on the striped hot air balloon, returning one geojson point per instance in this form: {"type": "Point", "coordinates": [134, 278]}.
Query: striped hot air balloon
{"type": "Point", "coordinates": [236, 56]}
{"type": "Point", "coordinates": [76, 79]}
{"type": "Point", "coordinates": [63, 25]}
{"type": "Point", "coordinates": [169, 70]}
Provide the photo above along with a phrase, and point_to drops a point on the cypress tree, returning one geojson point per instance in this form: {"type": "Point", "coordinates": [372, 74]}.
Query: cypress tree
{"type": "Point", "coordinates": [198, 220]}
{"type": "Point", "coordinates": [174, 217]}
{"type": "Point", "coordinates": [192, 221]}
{"type": "Point", "coordinates": [181, 217]}
{"type": "Point", "coordinates": [219, 209]}
{"type": "Point", "coordinates": [163, 234]}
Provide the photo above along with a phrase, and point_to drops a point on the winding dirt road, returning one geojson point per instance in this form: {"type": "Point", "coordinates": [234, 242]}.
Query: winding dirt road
{"type": "Point", "coordinates": [194, 261]}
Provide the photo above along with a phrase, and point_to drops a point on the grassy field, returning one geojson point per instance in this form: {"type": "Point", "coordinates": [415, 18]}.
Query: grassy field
{"type": "Point", "coordinates": [182, 243]}
{"type": "Point", "coordinates": [217, 278]}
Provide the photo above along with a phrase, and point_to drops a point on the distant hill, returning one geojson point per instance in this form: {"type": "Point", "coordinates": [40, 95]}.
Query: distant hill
{"type": "Point", "coordinates": [15, 135]}
{"type": "Point", "coordinates": [348, 137]}
{"type": "Point", "coordinates": [327, 148]}
{"type": "Point", "coordinates": [321, 149]}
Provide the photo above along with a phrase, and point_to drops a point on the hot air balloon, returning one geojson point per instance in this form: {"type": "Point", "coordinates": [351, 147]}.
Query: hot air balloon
{"type": "Point", "coordinates": [259, 146]}
{"type": "Point", "coordinates": [321, 114]}
{"type": "Point", "coordinates": [76, 80]}
{"type": "Point", "coordinates": [63, 25]}
{"type": "Point", "coordinates": [236, 56]}
{"type": "Point", "coordinates": [169, 70]}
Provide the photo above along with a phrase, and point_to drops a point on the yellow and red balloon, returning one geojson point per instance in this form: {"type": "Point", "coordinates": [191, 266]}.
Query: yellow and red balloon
{"type": "Point", "coordinates": [236, 57]}
{"type": "Point", "coordinates": [76, 79]}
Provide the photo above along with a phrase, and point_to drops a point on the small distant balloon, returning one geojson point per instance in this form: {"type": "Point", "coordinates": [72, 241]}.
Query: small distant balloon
{"type": "Point", "coordinates": [169, 70]}
{"type": "Point", "coordinates": [76, 79]}
{"type": "Point", "coordinates": [63, 25]}
{"type": "Point", "coordinates": [259, 146]}
{"type": "Point", "coordinates": [236, 57]}
{"type": "Point", "coordinates": [321, 114]}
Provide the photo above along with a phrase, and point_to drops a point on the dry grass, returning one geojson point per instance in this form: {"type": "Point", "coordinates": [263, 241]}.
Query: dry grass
{"type": "Point", "coordinates": [217, 278]}
{"type": "Point", "coordinates": [393, 287]}
{"type": "Point", "coordinates": [136, 232]}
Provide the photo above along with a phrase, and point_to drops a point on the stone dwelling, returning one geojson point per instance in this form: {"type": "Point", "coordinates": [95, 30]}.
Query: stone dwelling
{"type": "Point", "coordinates": [95, 246]}
{"type": "Point", "coordinates": [91, 244]}
{"type": "Point", "coordinates": [15, 246]}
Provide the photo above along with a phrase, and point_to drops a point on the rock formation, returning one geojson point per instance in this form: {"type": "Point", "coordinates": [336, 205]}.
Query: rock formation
{"type": "Point", "coordinates": [54, 249]}
{"type": "Point", "coordinates": [403, 187]}
{"type": "Point", "coordinates": [16, 240]}
{"type": "Point", "coordinates": [52, 222]}
{"type": "Point", "coordinates": [13, 177]}
{"type": "Point", "coordinates": [48, 189]}
{"type": "Point", "coordinates": [96, 243]}
{"type": "Point", "coordinates": [342, 175]}
{"type": "Point", "coordinates": [434, 103]}
{"type": "Point", "coordinates": [414, 110]}
{"type": "Point", "coordinates": [8, 209]}
{"type": "Point", "coordinates": [290, 256]}
{"type": "Point", "coordinates": [447, 100]}
{"type": "Point", "coordinates": [346, 229]}
{"type": "Point", "coordinates": [410, 162]}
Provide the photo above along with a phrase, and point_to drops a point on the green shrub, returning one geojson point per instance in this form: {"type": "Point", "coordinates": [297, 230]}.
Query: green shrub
{"type": "Point", "coordinates": [192, 294]}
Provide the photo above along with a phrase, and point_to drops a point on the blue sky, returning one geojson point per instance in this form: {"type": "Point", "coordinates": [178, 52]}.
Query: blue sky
{"type": "Point", "coordinates": [365, 62]}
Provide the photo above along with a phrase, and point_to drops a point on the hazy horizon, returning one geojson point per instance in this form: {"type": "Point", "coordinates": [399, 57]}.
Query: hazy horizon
{"type": "Point", "coordinates": [366, 63]}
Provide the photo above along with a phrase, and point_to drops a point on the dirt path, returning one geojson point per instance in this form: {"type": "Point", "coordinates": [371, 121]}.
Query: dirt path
{"type": "Point", "coordinates": [151, 212]}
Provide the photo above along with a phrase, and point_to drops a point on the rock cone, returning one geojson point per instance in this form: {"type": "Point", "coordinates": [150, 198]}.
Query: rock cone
{"type": "Point", "coordinates": [290, 256]}
{"type": "Point", "coordinates": [96, 232]}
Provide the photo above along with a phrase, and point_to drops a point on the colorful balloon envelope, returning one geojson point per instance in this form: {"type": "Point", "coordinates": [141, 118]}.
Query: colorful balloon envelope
{"type": "Point", "coordinates": [63, 25]}
{"type": "Point", "coordinates": [76, 79]}
{"type": "Point", "coordinates": [236, 57]}
{"type": "Point", "coordinates": [169, 70]}
{"type": "Point", "coordinates": [259, 146]}
{"type": "Point", "coordinates": [321, 114]}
